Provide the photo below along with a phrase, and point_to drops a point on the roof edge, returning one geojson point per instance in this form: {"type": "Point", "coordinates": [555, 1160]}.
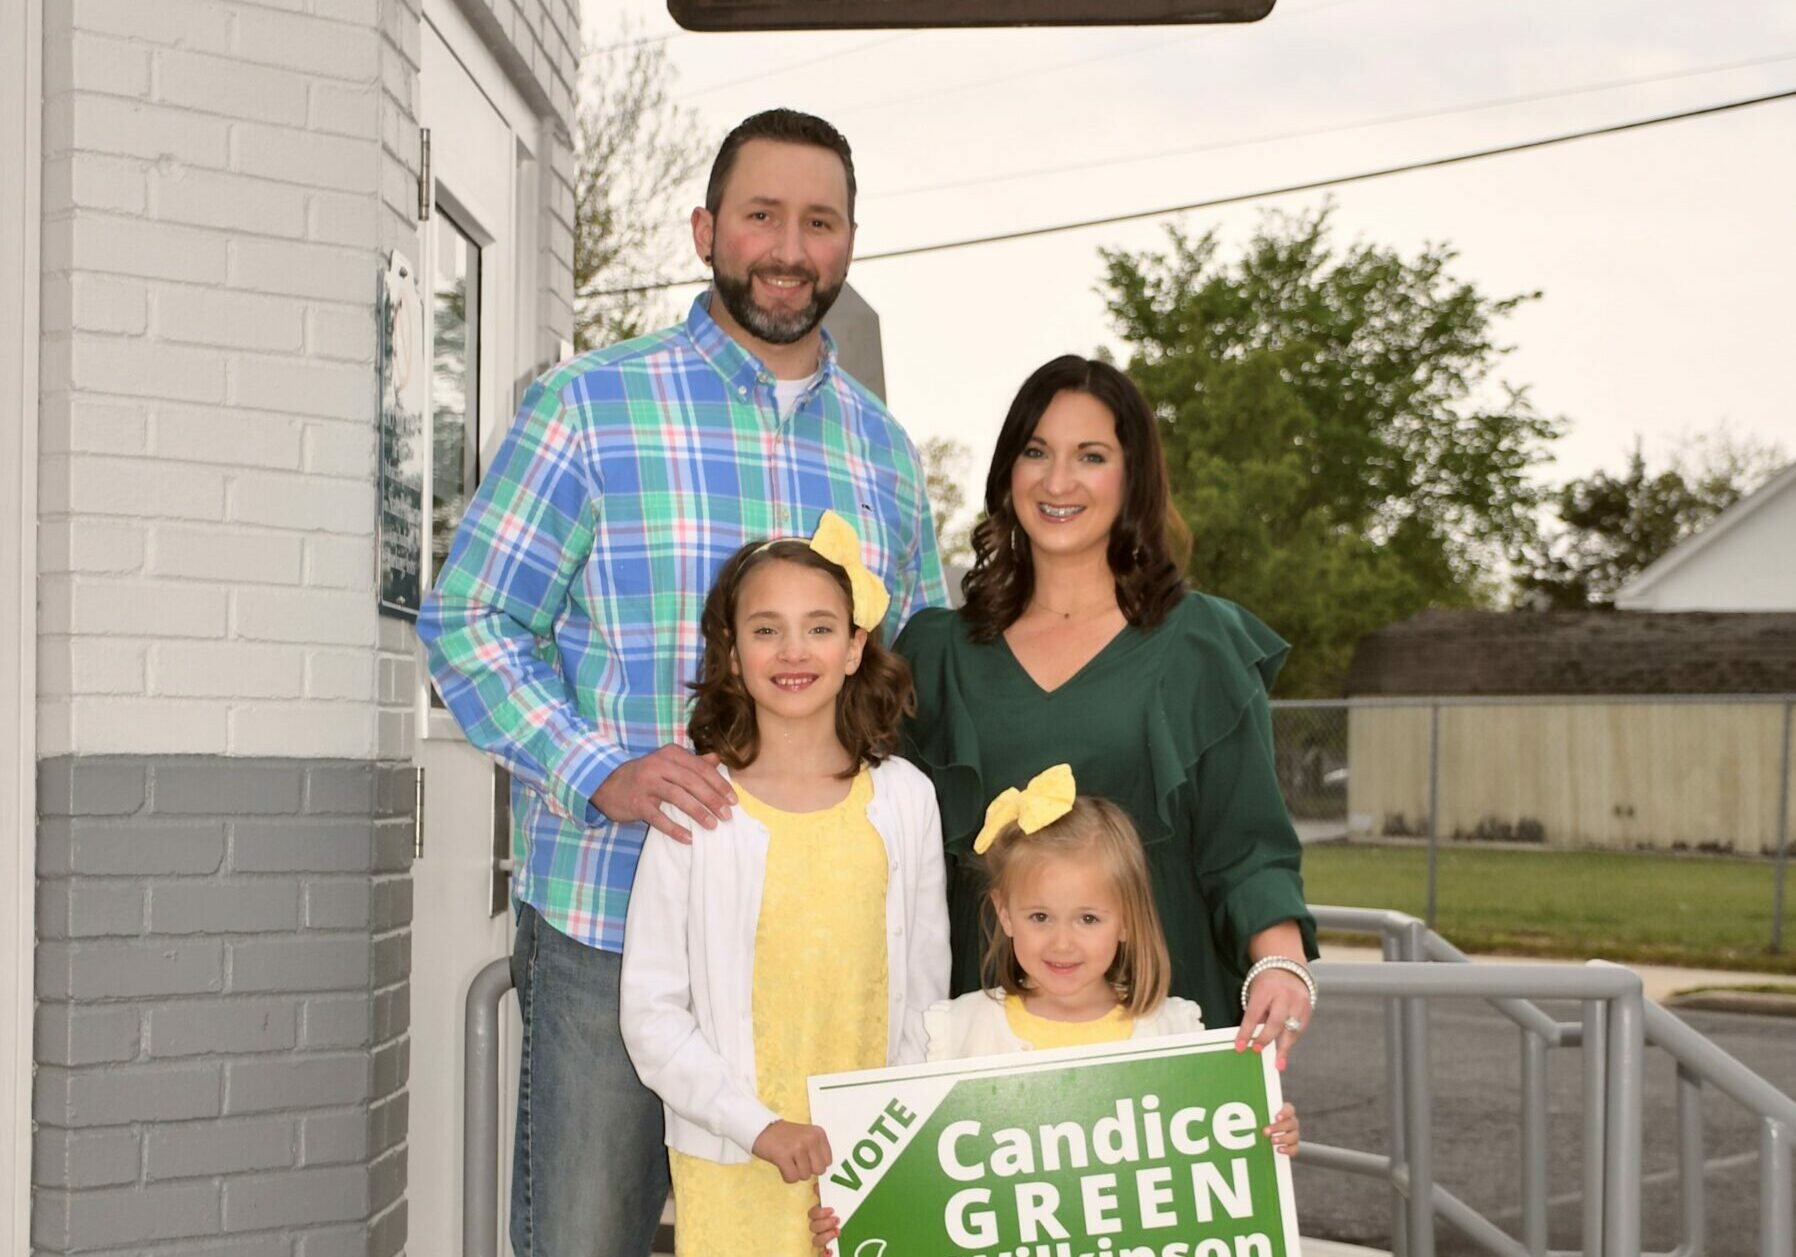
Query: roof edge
{"type": "Point", "coordinates": [1702, 538]}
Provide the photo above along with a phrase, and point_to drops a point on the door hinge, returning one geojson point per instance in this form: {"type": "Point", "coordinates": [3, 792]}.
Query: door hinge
{"type": "Point", "coordinates": [424, 197]}
{"type": "Point", "coordinates": [418, 812]}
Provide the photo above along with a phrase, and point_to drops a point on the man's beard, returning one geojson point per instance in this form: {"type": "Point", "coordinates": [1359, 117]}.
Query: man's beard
{"type": "Point", "coordinates": [737, 295]}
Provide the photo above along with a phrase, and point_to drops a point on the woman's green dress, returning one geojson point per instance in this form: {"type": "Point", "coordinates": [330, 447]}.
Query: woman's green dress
{"type": "Point", "coordinates": [1173, 724]}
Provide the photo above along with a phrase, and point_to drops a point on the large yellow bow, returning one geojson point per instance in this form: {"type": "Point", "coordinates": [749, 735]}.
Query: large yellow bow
{"type": "Point", "coordinates": [836, 540]}
{"type": "Point", "coordinates": [1048, 796]}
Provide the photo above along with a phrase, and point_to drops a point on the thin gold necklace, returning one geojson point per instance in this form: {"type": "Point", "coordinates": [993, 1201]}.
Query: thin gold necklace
{"type": "Point", "coordinates": [1100, 605]}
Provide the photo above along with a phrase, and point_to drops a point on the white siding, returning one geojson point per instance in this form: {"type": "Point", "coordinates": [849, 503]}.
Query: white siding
{"type": "Point", "coordinates": [222, 182]}
{"type": "Point", "coordinates": [1747, 564]}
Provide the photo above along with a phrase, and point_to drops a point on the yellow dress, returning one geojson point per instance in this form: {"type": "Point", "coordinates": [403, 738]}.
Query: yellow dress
{"type": "Point", "coordinates": [1043, 1032]}
{"type": "Point", "coordinates": [819, 1007]}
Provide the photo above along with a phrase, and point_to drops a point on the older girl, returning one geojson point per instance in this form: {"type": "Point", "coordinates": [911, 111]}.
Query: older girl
{"type": "Point", "coordinates": [807, 932]}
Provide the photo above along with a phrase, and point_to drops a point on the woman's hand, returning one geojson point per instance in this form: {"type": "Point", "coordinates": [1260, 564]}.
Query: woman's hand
{"type": "Point", "coordinates": [1278, 1012]}
{"type": "Point", "coordinates": [825, 1226]}
{"type": "Point", "coordinates": [1283, 1131]}
{"type": "Point", "coordinates": [797, 1151]}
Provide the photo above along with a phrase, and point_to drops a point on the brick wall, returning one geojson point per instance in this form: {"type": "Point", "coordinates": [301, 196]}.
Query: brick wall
{"type": "Point", "coordinates": [221, 959]}
{"type": "Point", "coordinates": [221, 976]}
{"type": "Point", "coordinates": [213, 216]}
{"type": "Point", "coordinates": [224, 896]}
{"type": "Point", "coordinates": [221, 180]}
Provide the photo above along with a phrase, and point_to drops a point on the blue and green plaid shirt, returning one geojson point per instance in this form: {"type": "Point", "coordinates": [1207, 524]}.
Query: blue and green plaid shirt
{"type": "Point", "coordinates": [563, 628]}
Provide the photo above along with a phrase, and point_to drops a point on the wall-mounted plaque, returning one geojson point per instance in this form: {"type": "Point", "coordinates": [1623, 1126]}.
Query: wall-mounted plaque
{"type": "Point", "coordinates": [399, 523]}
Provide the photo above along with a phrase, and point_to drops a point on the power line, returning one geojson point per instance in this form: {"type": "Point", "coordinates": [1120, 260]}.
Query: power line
{"type": "Point", "coordinates": [798, 65]}
{"type": "Point", "coordinates": [1288, 189]}
{"type": "Point", "coordinates": [635, 43]}
{"type": "Point", "coordinates": [1151, 45]}
{"type": "Point", "coordinates": [1338, 181]}
{"type": "Point", "coordinates": [873, 194]}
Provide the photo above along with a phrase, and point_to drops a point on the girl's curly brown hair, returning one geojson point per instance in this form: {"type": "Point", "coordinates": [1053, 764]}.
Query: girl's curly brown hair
{"type": "Point", "coordinates": [1149, 543]}
{"type": "Point", "coordinates": [874, 698]}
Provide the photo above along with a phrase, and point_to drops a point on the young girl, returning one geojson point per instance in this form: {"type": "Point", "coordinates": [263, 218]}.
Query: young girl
{"type": "Point", "coordinates": [807, 932]}
{"type": "Point", "coordinates": [1077, 955]}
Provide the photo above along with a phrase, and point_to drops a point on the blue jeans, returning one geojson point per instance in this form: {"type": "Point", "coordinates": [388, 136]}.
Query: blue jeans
{"type": "Point", "coordinates": [590, 1170]}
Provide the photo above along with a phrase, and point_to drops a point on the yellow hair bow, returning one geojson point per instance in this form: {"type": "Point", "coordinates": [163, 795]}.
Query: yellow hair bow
{"type": "Point", "coordinates": [836, 540]}
{"type": "Point", "coordinates": [1048, 796]}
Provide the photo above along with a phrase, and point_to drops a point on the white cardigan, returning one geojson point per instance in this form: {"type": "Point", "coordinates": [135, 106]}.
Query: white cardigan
{"type": "Point", "coordinates": [976, 1025]}
{"type": "Point", "coordinates": [689, 960]}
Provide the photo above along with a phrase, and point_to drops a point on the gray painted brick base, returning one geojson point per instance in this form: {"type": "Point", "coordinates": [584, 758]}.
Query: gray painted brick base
{"type": "Point", "coordinates": [223, 1007]}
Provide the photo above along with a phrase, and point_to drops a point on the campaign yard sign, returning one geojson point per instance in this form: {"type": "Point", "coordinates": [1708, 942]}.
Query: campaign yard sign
{"type": "Point", "coordinates": [1134, 1149]}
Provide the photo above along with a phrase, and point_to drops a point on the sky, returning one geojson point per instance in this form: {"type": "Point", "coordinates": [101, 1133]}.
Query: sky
{"type": "Point", "coordinates": [1666, 257]}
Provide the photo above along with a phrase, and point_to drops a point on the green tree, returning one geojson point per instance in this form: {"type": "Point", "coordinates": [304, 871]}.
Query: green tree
{"type": "Point", "coordinates": [1335, 434]}
{"type": "Point", "coordinates": [634, 149]}
{"type": "Point", "coordinates": [1612, 527]}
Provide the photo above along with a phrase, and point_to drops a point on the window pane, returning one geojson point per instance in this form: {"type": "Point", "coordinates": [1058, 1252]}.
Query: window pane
{"type": "Point", "coordinates": [454, 389]}
{"type": "Point", "coordinates": [454, 385]}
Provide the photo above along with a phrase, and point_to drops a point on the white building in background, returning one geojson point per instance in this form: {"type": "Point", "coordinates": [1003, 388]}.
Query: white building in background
{"type": "Point", "coordinates": [1745, 560]}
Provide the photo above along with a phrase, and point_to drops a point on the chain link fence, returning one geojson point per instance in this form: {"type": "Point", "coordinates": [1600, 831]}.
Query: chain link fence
{"type": "Point", "coordinates": [1310, 741]}
{"type": "Point", "coordinates": [1661, 773]}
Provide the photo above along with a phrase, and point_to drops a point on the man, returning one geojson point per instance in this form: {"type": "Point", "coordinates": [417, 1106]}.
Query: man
{"type": "Point", "coordinates": [563, 629]}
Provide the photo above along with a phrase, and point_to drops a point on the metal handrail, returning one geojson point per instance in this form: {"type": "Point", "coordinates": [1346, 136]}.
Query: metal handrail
{"type": "Point", "coordinates": [1614, 990]}
{"type": "Point", "coordinates": [1420, 966]}
{"type": "Point", "coordinates": [1611, 1098]}
{"type": "Point", "coordinates": [480, 1120]}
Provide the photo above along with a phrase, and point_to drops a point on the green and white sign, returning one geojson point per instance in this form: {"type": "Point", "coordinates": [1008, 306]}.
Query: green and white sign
{"type": "Point", "coordinates": [1149, 1149]}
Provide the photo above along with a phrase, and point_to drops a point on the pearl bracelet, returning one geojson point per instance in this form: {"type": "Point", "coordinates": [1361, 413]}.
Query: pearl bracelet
{"type": "Point", "coordinates": [1278, 962]}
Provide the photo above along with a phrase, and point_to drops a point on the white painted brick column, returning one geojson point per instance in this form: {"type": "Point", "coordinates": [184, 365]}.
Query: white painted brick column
{"type": "Point", "coordinates": [216, 208]}
{"type": "Point", "coordinates": [225, 723]}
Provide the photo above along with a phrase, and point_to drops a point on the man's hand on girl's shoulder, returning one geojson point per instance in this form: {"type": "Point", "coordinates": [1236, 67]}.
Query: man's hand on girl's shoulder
{"type": "Point", "coordinates": [673, 775]}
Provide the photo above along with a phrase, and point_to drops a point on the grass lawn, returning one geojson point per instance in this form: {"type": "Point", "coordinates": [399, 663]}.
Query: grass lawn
{"type": "Point", "coordinates": [1708, 912]}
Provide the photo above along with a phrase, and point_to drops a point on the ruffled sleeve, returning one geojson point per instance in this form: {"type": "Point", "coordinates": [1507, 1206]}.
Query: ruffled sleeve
{"type": "Point", "coordinates": [941, 738]}
{"type": "Point", "coordinates": [1175, 1016]}
{"type": "Point", "coordinates": [1216, 662]}
{"type": "Point", "coordinates": [1215, 779]}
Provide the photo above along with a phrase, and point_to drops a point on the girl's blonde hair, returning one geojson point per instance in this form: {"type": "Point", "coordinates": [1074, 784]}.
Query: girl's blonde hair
{"type": "Point", "coordinates": [1097, 831]}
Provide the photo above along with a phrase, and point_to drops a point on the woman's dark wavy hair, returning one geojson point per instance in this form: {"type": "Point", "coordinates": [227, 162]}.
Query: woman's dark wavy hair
{"type": "Point", "coordinates": [1149, 544]}
{"type": "Point", "coordinates": [874, 698]}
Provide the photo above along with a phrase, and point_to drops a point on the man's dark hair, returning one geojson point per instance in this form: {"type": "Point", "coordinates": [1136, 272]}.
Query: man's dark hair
{"type": "Point", "coordinates": [785, 126]}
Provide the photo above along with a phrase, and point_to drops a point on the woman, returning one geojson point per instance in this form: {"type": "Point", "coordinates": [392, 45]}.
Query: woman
{"type": "Point", "coordinates": [1079, 643]}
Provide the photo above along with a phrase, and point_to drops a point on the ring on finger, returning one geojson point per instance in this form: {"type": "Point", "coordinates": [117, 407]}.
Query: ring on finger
{"type": "Point", "coordinates": [1293, 1024]}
